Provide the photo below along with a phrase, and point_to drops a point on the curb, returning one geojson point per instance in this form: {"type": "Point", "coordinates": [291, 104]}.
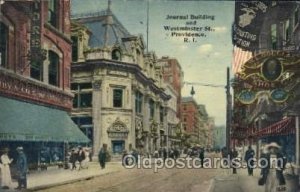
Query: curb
{"type": "Point", "coordinates": [42, 187]}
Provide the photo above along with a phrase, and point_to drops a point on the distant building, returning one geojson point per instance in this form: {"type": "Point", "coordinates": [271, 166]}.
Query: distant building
{"type": "Point", "coordinates": [206, 125]}
{"type": "Point", "coordinates": [35, 96]}
{"type": "Point", "coordinates": [173, 74]}
{"type": "Point", "coordinates": [190, 117]}
{"type": "Point", "coordinates": [174, 128]}
{"type": "Point", "coordinates": [118, 87]}
{"type": "Point", "coordinates": [219, 137]}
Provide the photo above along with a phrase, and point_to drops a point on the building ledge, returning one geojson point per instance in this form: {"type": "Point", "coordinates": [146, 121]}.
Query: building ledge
{"type": "Point", "coordinates": [25, 88]}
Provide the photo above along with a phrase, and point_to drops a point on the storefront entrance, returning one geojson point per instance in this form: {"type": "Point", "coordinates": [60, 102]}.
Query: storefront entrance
{"type": "Point", "coordinates": [118, 146]}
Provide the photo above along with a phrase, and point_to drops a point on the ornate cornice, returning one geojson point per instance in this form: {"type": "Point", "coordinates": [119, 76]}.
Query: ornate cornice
{"type": "Point", "coordinates": [118, 65]}
{"type": "Point", "coordinates": [23, 88]}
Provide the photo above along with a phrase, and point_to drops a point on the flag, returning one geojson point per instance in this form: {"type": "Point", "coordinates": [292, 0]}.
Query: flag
{"type": "Point", "coordinates": [240, 57]}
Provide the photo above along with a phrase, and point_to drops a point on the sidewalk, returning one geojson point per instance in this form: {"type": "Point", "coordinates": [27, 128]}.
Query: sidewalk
{"type": "Point", "coordinates": [241, 182]}
{"type": "Point", "coordinates": [39, 180]}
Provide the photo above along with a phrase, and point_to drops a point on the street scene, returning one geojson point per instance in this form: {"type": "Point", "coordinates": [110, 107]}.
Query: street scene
{"type": "Point", "coordinates": [149, 95]}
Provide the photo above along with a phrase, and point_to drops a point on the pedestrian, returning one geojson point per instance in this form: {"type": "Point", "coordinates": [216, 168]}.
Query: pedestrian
{"type": "Point", "coordinates": [73, 159]}
{"type": "Point", "coordinates": [81, 157]}
{"type": "Point", "coordinates": [249, 160]}
{"type": "Point", "coordinates": [21, 168]}
{"type": "Point", "coordinates": [5, 170]}
{"type": "Point", "coordinates": [165, 153]}
{"type": "Point", "coordinates": [124, 158]}
{"type": "Point", "coordinates": [272, 171]}
{"type": "Point", "coordinates": [102, 156]}
{"type": "Point", "coordinates": [233, 155]}
{"type": "Point", "coordinates": [201, 156]}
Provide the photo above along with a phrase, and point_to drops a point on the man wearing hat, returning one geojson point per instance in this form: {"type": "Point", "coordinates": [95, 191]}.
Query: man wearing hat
{"type": "Point", "coordinates": [21, 168]}
{"type": "Point", "coordinates": [272, 172]}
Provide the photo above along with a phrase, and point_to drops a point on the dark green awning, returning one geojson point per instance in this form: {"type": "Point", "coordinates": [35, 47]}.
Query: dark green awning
{"type": "Point", "coordinates": [21, 121]}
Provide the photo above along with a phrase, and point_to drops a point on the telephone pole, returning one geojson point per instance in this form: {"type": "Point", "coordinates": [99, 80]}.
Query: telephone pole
{"type": "Point", "coordinates": [228, 110]}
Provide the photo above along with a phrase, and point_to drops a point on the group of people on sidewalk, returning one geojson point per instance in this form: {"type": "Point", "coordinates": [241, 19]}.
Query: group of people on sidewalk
{"type": "Point", "coordinates": [81, 155]}
{"type": "Point", "coordinates": [21, 169]}
{"type": "Point", "coordinates": [272, 163]}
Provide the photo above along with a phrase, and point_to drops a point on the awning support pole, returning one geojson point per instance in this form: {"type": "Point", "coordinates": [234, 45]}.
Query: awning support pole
{"type": "Point", "coordinates": [297, 143]}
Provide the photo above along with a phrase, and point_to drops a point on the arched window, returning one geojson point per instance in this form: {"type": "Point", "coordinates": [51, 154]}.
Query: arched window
{"type": "Point", "coordinates": [53, 68]}
{"type": "Point", "coordinates": [3, 44]}
{"type": "Point", "coordinates": [116, 55]}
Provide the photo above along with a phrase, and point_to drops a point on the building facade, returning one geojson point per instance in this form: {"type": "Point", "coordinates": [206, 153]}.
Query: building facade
{"type": "Point", "coordinates": [35, 48]}
{"type": "Point", "coordinates": [119, 94]}
{"type": "Point", "coordinates": [190, 118]}
{"type": "Point", "coordinates": [173, 74]}
{"type": "Point", "coordinates": [267, 97]}
{"type": "Point", "coordinates": [206, 126]}
{"type": "Point", "coordinates": [174, 128]}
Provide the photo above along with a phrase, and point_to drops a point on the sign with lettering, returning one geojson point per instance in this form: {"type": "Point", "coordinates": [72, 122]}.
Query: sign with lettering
{"type": "Point", "coordinates": [36, 53]}
{"type": "Point", "coordinates": [249, 16]}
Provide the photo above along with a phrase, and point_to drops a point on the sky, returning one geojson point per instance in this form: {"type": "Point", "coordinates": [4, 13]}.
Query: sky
{"type": "Point", "coordinates": [203, 61]}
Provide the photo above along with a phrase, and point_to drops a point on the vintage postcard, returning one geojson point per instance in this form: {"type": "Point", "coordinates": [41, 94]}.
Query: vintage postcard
{"type": "Point", "coordinates": [149, 95]}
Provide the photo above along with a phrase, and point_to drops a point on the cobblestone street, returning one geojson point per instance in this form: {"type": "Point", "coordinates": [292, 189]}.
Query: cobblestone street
{"type": "Point", "coordinates": [144, 180]}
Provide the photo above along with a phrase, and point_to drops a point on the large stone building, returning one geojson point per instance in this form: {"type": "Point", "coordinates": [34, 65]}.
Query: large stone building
{"type": "Point", "coordinates": [118, 87]}
{"type": "Point", "coordinates": [35, 96]}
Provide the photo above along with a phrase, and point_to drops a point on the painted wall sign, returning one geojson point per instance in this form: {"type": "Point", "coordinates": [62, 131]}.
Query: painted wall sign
{"type": "Point", "coordinates": [271, 69]}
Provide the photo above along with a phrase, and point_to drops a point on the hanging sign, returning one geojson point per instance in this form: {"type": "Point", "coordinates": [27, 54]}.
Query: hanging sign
{"type": "Point", "coordinates": [279, 95]}
{"type": "Point", "coordinates": [247, 97]}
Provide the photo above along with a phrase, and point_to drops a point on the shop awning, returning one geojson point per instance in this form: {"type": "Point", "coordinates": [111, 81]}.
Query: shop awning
{"type": "Point", "coordinates": [284, 127]}
{"type": "Point", "coordinates": [21, 121]}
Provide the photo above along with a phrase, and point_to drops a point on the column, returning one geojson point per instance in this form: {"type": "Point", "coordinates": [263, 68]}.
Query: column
{"type": "Point", "coordinates": [97, 104]}
{"type": "Point", "coordinates": [146, 117]}
{"type": "Point", "coordinates": [297, 144]}
{"type": "Point", "coordinates": [132, 132]}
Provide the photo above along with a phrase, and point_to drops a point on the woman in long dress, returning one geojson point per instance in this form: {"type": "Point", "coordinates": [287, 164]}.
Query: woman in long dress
{"type": "Point", "coordinates": [5, 170]}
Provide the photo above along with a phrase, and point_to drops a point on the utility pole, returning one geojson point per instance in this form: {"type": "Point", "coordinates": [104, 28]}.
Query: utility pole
{"type": "Point", "coordinates": [147, 25]}
{"type": "Point", "coordinates": [228, 110]}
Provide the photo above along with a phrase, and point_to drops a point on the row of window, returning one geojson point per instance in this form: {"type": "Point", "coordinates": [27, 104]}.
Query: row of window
{"type": "Point", "coordinates": [36, 68]}
{"type": "Point", "coordinates": [287, 30]}
{"type": "Point", "coordinates": [83, 99]}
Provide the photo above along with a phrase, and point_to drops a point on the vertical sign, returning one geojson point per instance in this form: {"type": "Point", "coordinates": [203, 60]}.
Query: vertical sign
{"type": "Point", "coordinates": [35, 34]}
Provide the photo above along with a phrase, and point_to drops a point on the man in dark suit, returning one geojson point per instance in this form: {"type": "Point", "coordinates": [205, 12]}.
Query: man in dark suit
{"type": "Point", "coordinates": [249, 160]}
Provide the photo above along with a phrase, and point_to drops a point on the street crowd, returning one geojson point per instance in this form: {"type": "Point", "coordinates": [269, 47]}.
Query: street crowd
{"type": "Point", "coordinates": [271, 173]}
